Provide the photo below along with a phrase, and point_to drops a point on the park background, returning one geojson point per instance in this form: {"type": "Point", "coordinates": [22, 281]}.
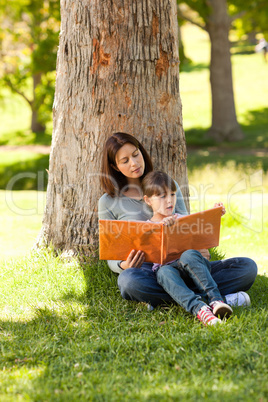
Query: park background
{"type": "Point", "coordinates": [59, 307]}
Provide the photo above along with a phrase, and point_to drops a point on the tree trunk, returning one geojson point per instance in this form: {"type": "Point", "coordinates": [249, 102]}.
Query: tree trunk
{"type": "Point", "coordinates": [36, 126]}
{"type": "Point", "coordinates": [224, 122]}
{"type": "Point", "coordinates": [117, 70]}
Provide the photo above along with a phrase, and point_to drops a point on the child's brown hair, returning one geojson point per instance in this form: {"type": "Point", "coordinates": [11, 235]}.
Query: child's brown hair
{"type": "Point", "coordinates": [156, 183]}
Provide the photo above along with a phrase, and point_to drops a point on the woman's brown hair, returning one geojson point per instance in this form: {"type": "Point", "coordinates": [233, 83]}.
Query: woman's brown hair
{"type": "Point", "coordinates": [112, 180]}
{"type": "Point", "coordinates": [156, 183]}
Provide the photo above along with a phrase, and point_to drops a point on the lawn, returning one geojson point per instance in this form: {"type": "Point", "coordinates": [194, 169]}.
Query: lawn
{"type": "Point", "coordinates": [68, 335]}
{"type": "Point", "coordinates": [65, 332]}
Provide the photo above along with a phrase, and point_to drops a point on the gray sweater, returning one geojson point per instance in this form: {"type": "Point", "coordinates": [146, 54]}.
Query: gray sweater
{"type": "Point", "coordinates": [128, 209]}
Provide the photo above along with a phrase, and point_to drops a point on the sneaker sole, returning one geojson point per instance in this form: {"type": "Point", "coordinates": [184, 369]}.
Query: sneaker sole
{"type": "Point", "coordinates": [222, 311]}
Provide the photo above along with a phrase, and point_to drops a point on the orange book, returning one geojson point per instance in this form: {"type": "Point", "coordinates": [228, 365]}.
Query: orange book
{"type": "Point", "coordinates": [160, 243]}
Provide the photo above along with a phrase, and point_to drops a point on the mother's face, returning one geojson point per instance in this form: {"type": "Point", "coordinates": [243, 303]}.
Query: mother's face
{"type": "Point", "coordinates": [129, 161]}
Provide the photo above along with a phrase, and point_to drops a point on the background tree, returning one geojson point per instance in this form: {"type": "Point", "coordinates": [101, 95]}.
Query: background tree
{"type": "Point", "coordinates": [28, 46]}
{"type": "Point", "coordinates": [117, 70]}
{"type": "Point", "coordinates": [213, 17]}
{"type": "Point", "coordinates": [217, 17]}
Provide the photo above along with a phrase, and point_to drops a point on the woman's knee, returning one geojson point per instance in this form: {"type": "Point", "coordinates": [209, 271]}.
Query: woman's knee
{"type": "Point", "coordinates": [251, 269]}
{"type": "Point", "coordinates": [134, 282]}
{"type": "Point", "coordinates": [127, 282]}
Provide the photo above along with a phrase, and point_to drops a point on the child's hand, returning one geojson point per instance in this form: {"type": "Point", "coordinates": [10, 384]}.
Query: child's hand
{"type": "Point", "coordinates": [220, 204]}
{"type": "Point", "coordinates": [169, 220]}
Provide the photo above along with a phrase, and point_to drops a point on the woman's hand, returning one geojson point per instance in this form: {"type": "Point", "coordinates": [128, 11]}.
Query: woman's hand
{"type": "Point", "coordinates": [220, 204]}
{"type": "Point", "coordinates": [135, 259]}
{"type": "Point", "coordinates": [169, 220]}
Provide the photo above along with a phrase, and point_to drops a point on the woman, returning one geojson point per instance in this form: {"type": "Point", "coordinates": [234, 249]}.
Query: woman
{"type": "Point", "coordinates": [125, 164]}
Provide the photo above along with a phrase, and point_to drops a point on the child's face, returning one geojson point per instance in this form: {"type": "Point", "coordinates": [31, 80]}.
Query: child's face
{"type": "Point", "coordinates": [162, 204]}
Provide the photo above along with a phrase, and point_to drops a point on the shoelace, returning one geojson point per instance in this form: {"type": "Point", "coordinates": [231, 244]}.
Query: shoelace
{"type": "Point", "coordinates": [213, 304]}
{"type": "Point", "coordinates": [206, 315]}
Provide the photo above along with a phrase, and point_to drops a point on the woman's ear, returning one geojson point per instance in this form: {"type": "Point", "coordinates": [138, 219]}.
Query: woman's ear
{"type": "Point", "coordinates": [147, 200]}
{"type": "Point", "coordinates": [114, 167]}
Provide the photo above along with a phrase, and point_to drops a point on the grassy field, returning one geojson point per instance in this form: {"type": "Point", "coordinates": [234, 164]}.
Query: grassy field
{"type": "Point", "coordinates": [65, 332]}
{"type": "Point", "coordinates": [68, 335]}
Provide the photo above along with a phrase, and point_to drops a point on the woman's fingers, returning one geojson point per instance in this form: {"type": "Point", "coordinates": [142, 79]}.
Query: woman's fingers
{"type": "Point", "coordinates": [131, 255]}
{"type": "Point", "coordinates": [140, 261]}
{"type": "Point", "coordinates": [135, 258]}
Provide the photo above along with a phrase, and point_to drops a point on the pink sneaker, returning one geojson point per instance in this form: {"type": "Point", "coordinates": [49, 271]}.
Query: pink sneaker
{"type": "Point", "coordinates": [221, 309]}
{"type": "Point", "coordinates": [206, 316]}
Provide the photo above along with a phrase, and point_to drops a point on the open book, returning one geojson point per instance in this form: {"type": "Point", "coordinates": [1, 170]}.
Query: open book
{"type": "Point", "coordinates": [160, 243]}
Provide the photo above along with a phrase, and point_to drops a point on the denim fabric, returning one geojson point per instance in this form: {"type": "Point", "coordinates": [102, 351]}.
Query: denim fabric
{"type": "Point", "coordinates": [231, 275]}
{"type": "Point", "coordinates": [192, 267]}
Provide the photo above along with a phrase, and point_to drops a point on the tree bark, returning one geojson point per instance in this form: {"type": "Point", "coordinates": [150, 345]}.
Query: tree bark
{"type": "Point", "coordinates": [224, 122]}
{"type": "Point", "coordinates": [117, 70]}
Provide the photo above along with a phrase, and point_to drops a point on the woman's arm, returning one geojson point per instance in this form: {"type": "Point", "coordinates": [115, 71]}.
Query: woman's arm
{"type": "Point", "coordinates": [105, 213]}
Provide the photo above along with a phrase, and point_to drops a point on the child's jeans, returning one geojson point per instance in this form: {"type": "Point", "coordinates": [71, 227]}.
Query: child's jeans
{"type": "Point", "coordinates": [177, 277]}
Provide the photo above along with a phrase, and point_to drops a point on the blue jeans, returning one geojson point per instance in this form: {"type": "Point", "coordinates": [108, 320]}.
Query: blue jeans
{"type": "Point", "coordinates": [191, 269]}
{"type": "Point", "coordinates": [231, 275]}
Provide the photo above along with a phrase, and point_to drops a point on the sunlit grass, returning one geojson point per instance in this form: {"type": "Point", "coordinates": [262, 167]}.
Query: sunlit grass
{"type": "Point", "coordinates": [20, 221]}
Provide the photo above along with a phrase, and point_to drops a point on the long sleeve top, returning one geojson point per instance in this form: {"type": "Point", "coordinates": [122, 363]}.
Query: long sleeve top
{"type": "Point", "coordinates": [129, 209]}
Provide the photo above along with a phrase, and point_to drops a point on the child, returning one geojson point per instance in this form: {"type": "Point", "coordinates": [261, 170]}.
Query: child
{"type": "Point", "coordinates": [160, 194]}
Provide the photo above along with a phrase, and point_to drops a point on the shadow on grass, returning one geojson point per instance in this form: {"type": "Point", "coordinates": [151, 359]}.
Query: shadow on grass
{"type": "Point", "coordinates": [25, 175]}
{"type": "Point", "coordinates": [251, 150]}
{"type": "Point", "coordinates": [200, 158]}
{"type": "Point", "coordinates": [255, 128]}
{"type": "Point", "coordinates": [240, 48]}
{"type": "Point", "coordinates": [25, 137]}
{"type": "Point", "coordinates": [190, 67]}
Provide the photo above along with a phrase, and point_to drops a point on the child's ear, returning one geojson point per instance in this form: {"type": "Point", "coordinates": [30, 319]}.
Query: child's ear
{"type": "Point", "coordinates": [147, 200]}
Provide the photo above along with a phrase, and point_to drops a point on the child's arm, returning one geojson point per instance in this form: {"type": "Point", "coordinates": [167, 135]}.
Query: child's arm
{"type": "Point", "coordinates": [220, 204]}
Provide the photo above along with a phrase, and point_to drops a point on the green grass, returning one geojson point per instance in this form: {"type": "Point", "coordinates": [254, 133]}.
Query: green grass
{"type": "Point", "coordinates": [68, 335]}
{"type": "Point", "coordinates": [23, 170]}
{"type": "Point", "coordinates": [20, 221]}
